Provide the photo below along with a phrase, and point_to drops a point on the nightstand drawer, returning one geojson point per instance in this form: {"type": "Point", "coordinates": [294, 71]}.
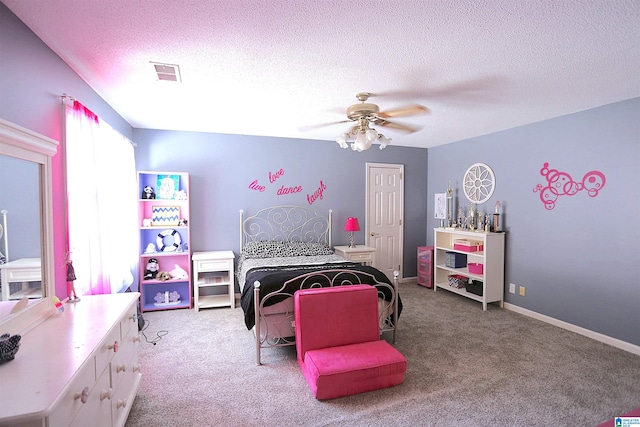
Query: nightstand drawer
{"type": "Point", "coordinates": [362, 254]}
{"type": "Point", "coordinates": [214, 265]}
{"type": "Point", "coordinates": [361, 257]}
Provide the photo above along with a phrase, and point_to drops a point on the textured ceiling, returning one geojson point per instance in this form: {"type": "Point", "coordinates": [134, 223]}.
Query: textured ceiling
{"type": "Point", "coordinates": [271, 67]}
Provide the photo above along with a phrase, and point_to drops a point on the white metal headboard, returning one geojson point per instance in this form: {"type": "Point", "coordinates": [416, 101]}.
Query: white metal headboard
{"type": "Point", "coordinates": [3, 235]}
{"type": "Point", "coordinates": [287, 223]}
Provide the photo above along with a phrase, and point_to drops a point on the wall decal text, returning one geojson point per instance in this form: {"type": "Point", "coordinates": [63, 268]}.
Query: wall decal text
{"type": "Point", "coordinates": [317, 194]}
{"type": "Point", "coordinates": [561, 184]}
{"type": "Point", "coordinates": [284, 189]}
{"type": "Point", "coordinates": [289, 190]}
{"type": "Point", "coordinates": [255, 186]}
{"type": "Point", "coordinates": [276, 175]}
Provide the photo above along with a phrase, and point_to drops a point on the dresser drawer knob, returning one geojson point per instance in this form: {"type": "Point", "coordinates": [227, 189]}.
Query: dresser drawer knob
{"type": "Point", "coordinates": [121, 368]}
{"type": "Point", "coordinates": [121, 403]}
{"type": "Point", "coordinates": [114, 346]}
{"type": "Point", "coordinates": [105, 394]}
{"type": "Point", "coordinates": [83, 396]}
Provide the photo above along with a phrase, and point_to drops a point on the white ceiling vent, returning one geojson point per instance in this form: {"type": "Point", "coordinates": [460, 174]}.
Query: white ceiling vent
{"type": "Point", "coordinates": [167, 72]}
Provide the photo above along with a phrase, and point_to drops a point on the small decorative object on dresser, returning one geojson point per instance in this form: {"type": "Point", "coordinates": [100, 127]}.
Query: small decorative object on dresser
{"type": "Point", "coordinates": [9, 346]}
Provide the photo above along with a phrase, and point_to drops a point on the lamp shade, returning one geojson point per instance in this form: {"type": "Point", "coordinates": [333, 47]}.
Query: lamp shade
{"type": "Point", "coordinates": [352, 224]}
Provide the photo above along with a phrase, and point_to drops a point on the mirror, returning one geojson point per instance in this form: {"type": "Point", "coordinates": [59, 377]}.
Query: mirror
{"type": "Point", "coordinates": [26, 198]}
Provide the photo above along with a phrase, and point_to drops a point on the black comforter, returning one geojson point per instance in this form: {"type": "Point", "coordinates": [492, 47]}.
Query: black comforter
{"type": "Point", "coordinates": [272, 279]}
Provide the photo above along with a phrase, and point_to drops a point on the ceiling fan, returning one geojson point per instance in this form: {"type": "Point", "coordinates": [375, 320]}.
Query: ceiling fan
{"type": "Point", "coordinates": [365, 114]}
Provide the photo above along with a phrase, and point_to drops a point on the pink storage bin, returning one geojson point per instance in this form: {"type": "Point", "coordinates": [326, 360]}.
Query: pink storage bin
{"type": "Point", "coordinates": [475, 267]}
{"type": "Point", "coordinates": [467, 245]}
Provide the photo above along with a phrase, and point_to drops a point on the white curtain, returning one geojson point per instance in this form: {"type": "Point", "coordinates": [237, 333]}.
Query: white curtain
{"type": "Point", "coordinates": [102, 213]}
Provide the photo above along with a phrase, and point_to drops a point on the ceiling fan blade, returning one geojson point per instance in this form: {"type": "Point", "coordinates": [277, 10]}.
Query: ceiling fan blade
{"type": "Point", "coordinates": [398, 126]}
{"type": "Point", "coordinates": [480, 89]}
{"type": "Point", "coordinates": [312, 127]}
{"type": "Point", "coordinates": [404, 111]}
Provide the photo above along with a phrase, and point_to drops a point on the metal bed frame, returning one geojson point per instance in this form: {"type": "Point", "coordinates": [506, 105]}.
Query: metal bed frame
{"type": "Point", "coordinates": [275, 327]}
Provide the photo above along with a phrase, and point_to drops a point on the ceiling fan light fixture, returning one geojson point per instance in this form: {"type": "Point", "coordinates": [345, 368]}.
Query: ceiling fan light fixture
{"type": "Point", "coordinates": [371, 134]}
{"type": "Point", "coordinates": [362, 142]}
{"type": "Point", "coordinates": [342, 140]}
{"type": "Point", "coordinates": [362, 138]}
{"type": "Point", "coordinates": [384, 141]}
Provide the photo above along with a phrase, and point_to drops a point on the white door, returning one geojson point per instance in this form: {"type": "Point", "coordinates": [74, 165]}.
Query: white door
{"type": "Point", "coordinates": [384, 215]}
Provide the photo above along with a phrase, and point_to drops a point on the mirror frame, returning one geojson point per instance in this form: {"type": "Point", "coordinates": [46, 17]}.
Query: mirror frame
{"type": "Point", "coordinates": [21, 143]}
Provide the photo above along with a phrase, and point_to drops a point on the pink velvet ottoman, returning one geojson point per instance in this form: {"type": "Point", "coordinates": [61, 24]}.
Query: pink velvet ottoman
{"type": "Point", "coordinates": [338, 342]}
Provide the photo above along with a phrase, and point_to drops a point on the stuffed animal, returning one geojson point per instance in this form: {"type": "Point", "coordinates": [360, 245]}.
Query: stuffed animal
{"type": "Point", "coordinates": [152, 269]}
{"type": "Point", "coordinates": [148, 193]}
{"type": "Point", "coordinates": [178, 272]}
{"type": "Point", "coordinates": [163, 276]}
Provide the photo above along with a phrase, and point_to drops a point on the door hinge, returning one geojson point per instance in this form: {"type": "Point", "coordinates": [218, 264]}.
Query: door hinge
{"type": "Point", "coordinates": [399, 222]}
{"type": "Point", "coordinates": [400, 176]}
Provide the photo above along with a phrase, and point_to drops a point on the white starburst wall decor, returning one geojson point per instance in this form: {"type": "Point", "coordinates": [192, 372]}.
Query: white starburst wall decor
{"type": "Point", "coordinates": [479, 183]}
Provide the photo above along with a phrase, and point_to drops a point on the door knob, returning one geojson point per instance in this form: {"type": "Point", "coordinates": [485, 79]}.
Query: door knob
{"type": "Point", "coordinates": [373, 234]}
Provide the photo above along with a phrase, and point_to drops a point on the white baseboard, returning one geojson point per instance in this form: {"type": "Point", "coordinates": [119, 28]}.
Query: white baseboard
{"type": "Point", "coordinates": [623, 345]}
{"type": "Point", "coordinates": [408, 281]}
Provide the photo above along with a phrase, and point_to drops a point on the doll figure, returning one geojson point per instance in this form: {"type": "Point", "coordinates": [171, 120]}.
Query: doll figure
{"type": "Point", "coordinates": [71, 277]}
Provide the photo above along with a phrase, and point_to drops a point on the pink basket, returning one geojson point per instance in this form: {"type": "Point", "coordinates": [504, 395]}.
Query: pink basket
{"type": "Point", "coordinates": [475, 267]}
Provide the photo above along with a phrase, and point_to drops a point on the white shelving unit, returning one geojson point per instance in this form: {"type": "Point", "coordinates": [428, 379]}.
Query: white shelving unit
{"type": "Point", "coordinates": [213, 271]}
{"type": "Point", "coordinates": [492, 257]}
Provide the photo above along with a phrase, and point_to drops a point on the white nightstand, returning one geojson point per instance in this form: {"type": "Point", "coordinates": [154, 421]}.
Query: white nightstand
{"type": "Point", "coordinates": [211, 271]}
{"type": "Point", "coordinates": [21, 270]}
{"type": "Point", "coordinates": [360, 253]}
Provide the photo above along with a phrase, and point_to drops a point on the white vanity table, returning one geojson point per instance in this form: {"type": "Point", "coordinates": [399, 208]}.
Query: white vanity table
{"type": "Point", "coordinates": [23, 270]}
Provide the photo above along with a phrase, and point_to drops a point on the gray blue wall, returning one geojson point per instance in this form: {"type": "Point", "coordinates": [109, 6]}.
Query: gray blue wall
{"type": "Point", "coordinates": [578, 262]}
{"type": "Point", "coordinates": [222, 167]}
{"type": "Point", "coordinates": [32, 81]}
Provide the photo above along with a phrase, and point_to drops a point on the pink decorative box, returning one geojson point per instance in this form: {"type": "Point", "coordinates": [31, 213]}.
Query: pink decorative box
{"type": "Point", "coordinates": [475, 267]}
{"type": "Point", "coordinates": [467, 245]}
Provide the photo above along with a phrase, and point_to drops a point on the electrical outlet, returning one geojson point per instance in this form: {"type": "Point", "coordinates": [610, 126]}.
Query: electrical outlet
{"type": "Point", "coordinates": [521, 291]}
{"type": "Point", "coordinates": [512, 288]}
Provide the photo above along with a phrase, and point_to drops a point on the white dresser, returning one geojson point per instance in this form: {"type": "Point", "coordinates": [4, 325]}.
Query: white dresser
{"type": "Point", "coordinates": [76, 368]}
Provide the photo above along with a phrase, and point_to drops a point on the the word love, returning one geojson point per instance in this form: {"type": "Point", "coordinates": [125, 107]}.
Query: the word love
{"type": "Point", "coordinates": [275, 175]}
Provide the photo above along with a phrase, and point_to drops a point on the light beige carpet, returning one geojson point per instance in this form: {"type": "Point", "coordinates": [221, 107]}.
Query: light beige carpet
{"type": "Point", "coordinates": [466, 367]}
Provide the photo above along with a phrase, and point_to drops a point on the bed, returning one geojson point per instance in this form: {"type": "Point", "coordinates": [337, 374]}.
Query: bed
{"type": "Point", "coordinates": [287, 248]}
